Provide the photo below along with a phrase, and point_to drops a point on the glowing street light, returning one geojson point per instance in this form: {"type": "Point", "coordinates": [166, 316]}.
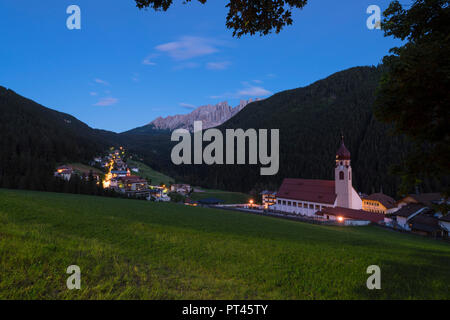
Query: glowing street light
{"type": "Point", "coordinates": [340, 219]}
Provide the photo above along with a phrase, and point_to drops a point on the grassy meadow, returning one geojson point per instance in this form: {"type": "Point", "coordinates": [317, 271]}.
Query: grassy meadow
{"type": "Point", "coordinates": [228, 197]}
{"type": "Point", "coordinates": [84, 168]}
{"type": "Point", "coordinates": [130, 249]}
{"type": "Point", "coordinates": [154, 177]}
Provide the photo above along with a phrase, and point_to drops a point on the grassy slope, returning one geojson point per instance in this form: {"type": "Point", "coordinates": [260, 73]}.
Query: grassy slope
{"type": "Point", "coordinates": [84, 168]}
{"type": "Point", "coordinates": [138, 249]}
{"type": "Point", "coordinates": [146, 172]}
{"type": "Point", "coordinates": [227, 196]}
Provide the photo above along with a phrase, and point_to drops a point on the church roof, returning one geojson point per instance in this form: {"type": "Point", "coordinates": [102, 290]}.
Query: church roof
{"type": "Point", "coordinates": [353, 214]}
{"type": "Point", "coordinates": [343, 153]}
{"type": "Point", "coordinates": [319, 191]}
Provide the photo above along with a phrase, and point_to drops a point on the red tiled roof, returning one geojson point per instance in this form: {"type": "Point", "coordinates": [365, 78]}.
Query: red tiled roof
{"type": "Point", "coordinates": [320, 191]}
{"type": "Point", "coordinates": [385, 200]}
{"type": "Point", "coordinates": [352, 214]}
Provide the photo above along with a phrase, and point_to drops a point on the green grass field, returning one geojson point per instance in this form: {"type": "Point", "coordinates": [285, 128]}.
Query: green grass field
{"type": "Point", "coordinates": [227, 196]}
{"type": "Point", "coordinates": [129, 249]}
{"type": "Point", "coordinates": [84, 168]}
{"type": "Point", "coordinates": [148, 173]}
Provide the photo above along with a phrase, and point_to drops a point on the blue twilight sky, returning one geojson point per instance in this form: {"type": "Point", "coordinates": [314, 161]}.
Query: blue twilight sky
{"type": "Point", "coordinates": [126, 66]}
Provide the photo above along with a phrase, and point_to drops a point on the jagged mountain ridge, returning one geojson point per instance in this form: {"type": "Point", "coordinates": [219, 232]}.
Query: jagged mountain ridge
{"type": "Point", "coordinates": [210, 115]}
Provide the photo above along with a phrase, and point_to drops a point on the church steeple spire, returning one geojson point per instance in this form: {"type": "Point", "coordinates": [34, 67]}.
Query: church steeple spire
{"type": "Point", "coordinates": [342, 153]}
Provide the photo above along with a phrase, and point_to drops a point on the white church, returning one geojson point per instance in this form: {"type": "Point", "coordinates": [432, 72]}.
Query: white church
{"type": "Point", "coordinates": [307, 197]}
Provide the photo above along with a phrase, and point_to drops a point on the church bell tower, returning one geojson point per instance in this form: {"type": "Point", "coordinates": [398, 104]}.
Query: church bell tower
{"type": "Point", "coordinates": [343, 177]}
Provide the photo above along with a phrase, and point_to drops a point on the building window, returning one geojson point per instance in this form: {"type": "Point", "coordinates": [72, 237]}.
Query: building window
{"type": "Point", "coordinates": [311, 206]}
{"type": "Point", "coordinates": [341, 175]}
{"type": "Point", "coordinates": [279, 201]}
{"type": "Point", "coordinates": [284, 202]}
{"type": "Point", "coordinates": [289, 203]}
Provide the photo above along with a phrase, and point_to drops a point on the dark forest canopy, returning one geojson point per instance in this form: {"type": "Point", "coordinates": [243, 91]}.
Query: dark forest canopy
{"type": "Point", "coordinates": [414, 92]}
{"type": "Point", "coordinates": [35, 139]}
{"type": "Point", "coordinates": [245, 17]}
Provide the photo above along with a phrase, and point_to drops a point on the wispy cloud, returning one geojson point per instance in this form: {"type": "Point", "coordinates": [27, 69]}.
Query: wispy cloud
{"type": "Point", "coordinates": [135, 77]}
{"type": "Point", "coordinates": [187, 105]}
{"type": "Point", "coordinates": [247, 91]}
{"type": "Point", "coordinates": [189, 47]}
{"type": "Point", "coordinates": [106, 102]}
{"type": "Point", "coordinates": [148, 60]}
{"type": "Point", "coordinates": [100, 81]}
{"type": "Point", "coordinates": [218, 65]}
{"type": "Point", "coordinates": [253, 91]}
{"type": "Point", "coordinates": [93, 93]}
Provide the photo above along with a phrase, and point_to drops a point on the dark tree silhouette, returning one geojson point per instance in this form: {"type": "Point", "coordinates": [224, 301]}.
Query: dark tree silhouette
{"type": "Point", "coordinates": [246, 17]}
{"type": "Point", "coordinates": [414, 92]}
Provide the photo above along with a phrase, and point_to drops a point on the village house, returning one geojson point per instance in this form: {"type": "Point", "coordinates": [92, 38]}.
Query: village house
{"type": "Point", "coordinates": [418, 214]}
{"type": "Point", "coordinates": [426, 199]}
{"type": "Point", "coordinates": [426, 224]}
{"type": "Point", "coordinates": [119, 173]}
{"type": "Point", "coordinates": [350, 217]}
{"type": "Point", "coordinates": [401, 219]}
{"type": "Point", "coordinates": [64, 172]}
{"type": "Point", "coordinates": [379, 203]}
{"type": "Point", "coordinates": [269, 198]}
{"type": "Point", "coordinates": [308, 196]}
{"type": "Point", "coordinates": [133, 183]}
{"type": "Point", "coordinates": [181, 188]}
{"type": "Point", "coordinates": [158, 193]}
{"type": "Point", "coordinates": [444, 223]}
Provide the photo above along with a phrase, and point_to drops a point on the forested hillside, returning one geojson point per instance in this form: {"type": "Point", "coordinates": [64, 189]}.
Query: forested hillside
{"type": "Point", "coordinates": [34, 139]}
{"type": "Point", "coordinates": [310, 120]}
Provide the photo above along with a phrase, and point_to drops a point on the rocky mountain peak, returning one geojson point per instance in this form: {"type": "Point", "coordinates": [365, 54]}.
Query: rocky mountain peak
{"type": "Point", "coordinates": [210, 115]}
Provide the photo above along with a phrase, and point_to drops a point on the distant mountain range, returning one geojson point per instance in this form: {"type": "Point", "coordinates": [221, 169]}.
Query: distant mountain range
{"type": "Point", "coordinates": [210, 115]}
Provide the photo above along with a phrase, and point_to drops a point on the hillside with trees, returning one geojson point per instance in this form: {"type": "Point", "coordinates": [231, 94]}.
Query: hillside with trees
{"type": "Point", "coordinates": [310, 120]}
{"type": "Point", "coordinates": [35, 139]}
